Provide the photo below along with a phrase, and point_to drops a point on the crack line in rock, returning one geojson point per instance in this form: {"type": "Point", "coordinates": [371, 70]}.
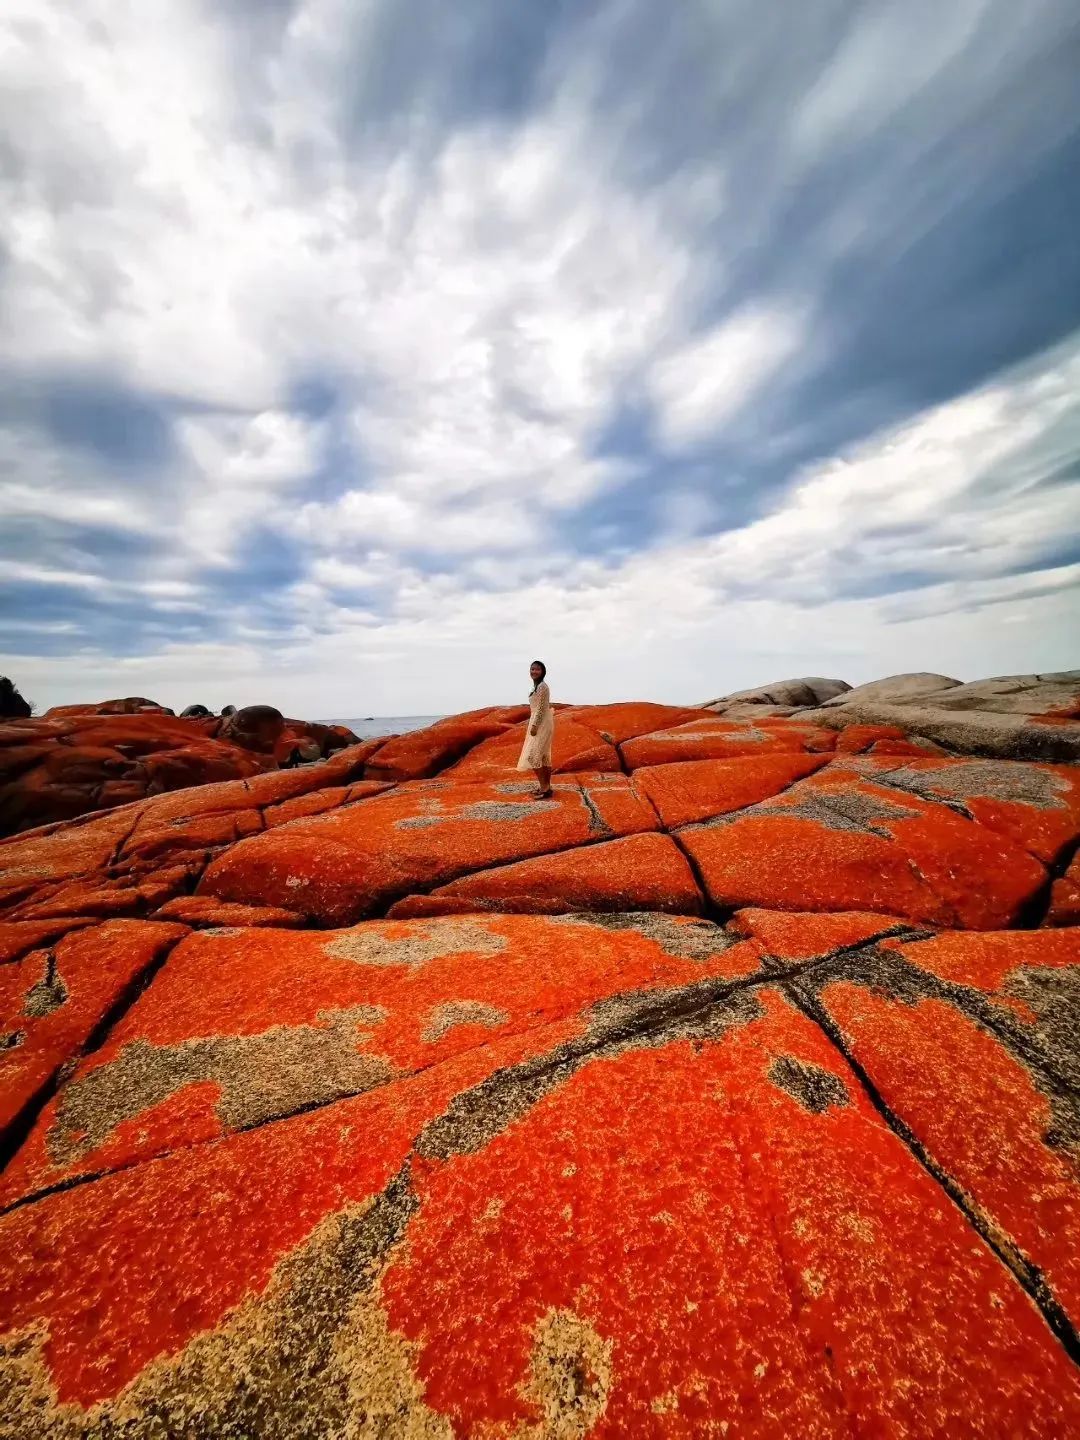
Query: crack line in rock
{"type": "Point", "coordinates": [697, 999]}
{"type": "Point", "coordinates": [16, 1132]}
{"type": "Point", "coordinates": [1026, 1273]}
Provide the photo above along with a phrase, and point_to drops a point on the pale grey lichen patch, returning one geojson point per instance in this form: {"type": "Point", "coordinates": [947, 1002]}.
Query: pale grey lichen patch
{"type": "Point", "coordinates": [423, 941]}
{"type": "Point", "coordinates": [12, 1039]}
{"type": "Point", "coordinates": [690, 736]}
{"type": "Point", "coordinates": [48, 994]}
{"type": "Point", "coordinates": [853, 810]}
{"type": "Point", "coordinates": [976, 779]}
{"type": "Point", "coordinates": [682, 940]}
{"type": "Point", "coordinates": [497, 811]}
{"type": "Point", "coordinates": [260, 1077]}
{"type": "Point", "coordinates": [312, 1356]}
{"type": "Point", "coordinates": [815, 1089]}
{"type": "Point", "coordinates": [571, 1376]}
{"type": "Point", "coordinates": [445, 1017]}
{"type": "Point", "coordinates": [1053, 995]}
{"type": "Point", "coordinates": [597, 824]}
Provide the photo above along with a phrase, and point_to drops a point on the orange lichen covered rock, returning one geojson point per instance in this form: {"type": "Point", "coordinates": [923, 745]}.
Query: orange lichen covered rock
{"type": "Point", "coordinates": [714, 739]}
{"type": "Point", "coordinates": [840, 841]}
{"type": "Point", "coordinates": [77, 759]}
{"type": "Point", "coordinates": [527, 1151]}
{"type": "Point", "coordinates": [421, 753]}
{"type": "Point", "coordinates": [1065, 897]}
{"type": "Point", "coordinates": [698, 789]}
{"type": "Point", "coordinates": [52, 999]}
{"type": "Point", "coordinates": [616, 723]}
{"type": "Point", "coordinates": [641, 872]}
{"type": "Point", "coordinates": [343, 865]}
{"type": "Point", "coordinates": [276, 1022]}
{"type": "Point", "coordinates": [967, 1039]}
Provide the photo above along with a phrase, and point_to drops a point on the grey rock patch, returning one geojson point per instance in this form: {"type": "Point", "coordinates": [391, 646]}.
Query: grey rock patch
{"type": "Point", "coordinates": [1054, 995]}
{"type": "Point", "coordinates": [996, 736]}
{"type": "Point", "coordinates": [970, 779]}
{"type": "Point", "coordinates": [260, 1077]}
{"type": "Point", "coordinates": [48, 994]}
{"type": "Point", "coordinates": [815, 1089]}
{"type": "Point", "coordinates": [497, 811]}
{"type": "Point", "coordinates": [809, 690]}
{"type": "Point", "coordinates": [426, 940]}
{"type": "Point", "coordinates": [851, 810]}
{"type": "Point", "coordinates": [691, 940]}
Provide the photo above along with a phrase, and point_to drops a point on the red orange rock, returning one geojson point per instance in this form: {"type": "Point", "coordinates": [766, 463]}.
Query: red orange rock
{"type": "Point", "coordinates": [802, 1169]}
{"type": "Point", "coordinates": [641, 872]}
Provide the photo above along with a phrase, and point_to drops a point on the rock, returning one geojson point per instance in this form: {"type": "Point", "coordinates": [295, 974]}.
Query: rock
{"type": "Point", "coordinates": [62, 766]}
{"type": "Point", "coordinates": [194, 710]}
{"type": "Point", "coordinates": [811, 690]}
{"type": "Point", "coordinates": [255, 727]}
{"type": "Point", "coordinates": [896, 689]}
{"type": "Point", "coordinates": [228, 710]}
{"type": "Point", "coordinates": [972, 732]}
{"type": "Point", "coordinates": [132, 705]}
{"type": "Point", "coordinates": [1043, 696]}
{"type": "Point", "coordinates": [12, 704]}
{"type": "Point", "coordinates": [733, 1088]}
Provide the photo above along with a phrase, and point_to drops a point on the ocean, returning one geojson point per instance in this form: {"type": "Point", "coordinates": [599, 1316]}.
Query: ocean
{"type": "Point", "coordinates": [369, 725]}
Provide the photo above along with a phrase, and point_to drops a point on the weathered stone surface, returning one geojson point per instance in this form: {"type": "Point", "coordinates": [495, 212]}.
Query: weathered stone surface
{"type": "Point", "coordinates": [972, 1042]}
{"type": "Point", "coordinates": [52, 999]}
{"type": "Point", "coordinates": [343, 865]}
{"type": "Point", "coordinates": [810, 690]}
{"type": "Point", "coordinates": [641, 872]}
{"type": "Point", "coordinates": [896, 689]}
{"type": "Point", "coordinates": [841, 840]}
{"type": "Point", "coordinates": [79, 759]}
{"type": "Point", "coordinates": [993, 734]}
{"type": "Point", "coordinates": [699, 789]}
{"type": "Point", "coordinates": [719, 739]}
{"type": "Point", "coordinates": [543, 1151]}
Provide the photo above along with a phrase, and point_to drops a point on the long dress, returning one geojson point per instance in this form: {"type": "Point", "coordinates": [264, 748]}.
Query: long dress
{"type": "Point", "coordinates": [536, 752]}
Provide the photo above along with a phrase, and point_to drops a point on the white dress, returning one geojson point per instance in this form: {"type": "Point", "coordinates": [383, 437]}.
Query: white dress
{"type": "Point", "coordinates": [536, 752]}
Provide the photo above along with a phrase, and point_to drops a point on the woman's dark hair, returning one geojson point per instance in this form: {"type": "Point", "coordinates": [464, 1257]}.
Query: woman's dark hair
{"type": "Point", "coordinates": [543, 668]}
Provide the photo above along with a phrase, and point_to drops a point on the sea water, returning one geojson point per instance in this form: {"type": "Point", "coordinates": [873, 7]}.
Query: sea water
{"type": "Point", "coordinates": [368, 725]}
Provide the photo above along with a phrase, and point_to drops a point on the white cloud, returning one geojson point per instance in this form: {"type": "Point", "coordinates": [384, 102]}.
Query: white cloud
{"type": "Point", "coordinates": [704, 383]}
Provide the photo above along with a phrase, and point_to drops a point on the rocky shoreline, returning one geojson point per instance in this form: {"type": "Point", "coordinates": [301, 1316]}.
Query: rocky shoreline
{"type": "Point", "coordinates": [735, 1089]}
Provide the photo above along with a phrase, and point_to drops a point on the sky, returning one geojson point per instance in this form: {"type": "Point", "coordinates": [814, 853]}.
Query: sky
{"type": "Point", "coordinates": [353, 353]}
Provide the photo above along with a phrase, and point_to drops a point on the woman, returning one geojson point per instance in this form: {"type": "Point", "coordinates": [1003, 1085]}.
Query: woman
{"type": "Point", "coordinates": [536, 752]}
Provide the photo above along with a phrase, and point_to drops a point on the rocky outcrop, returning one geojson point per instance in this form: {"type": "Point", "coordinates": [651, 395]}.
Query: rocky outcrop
{"type": "Point", "coordinates": [896, 689]}
{"type": "Point", "coordinates": [783, 694]}
{"type": "Point", "coordinates": [1012, 717]}
{"type": "Point", "coordinates": [733, 1089]}
{"type": "Point", "coordinates": [79, 759]}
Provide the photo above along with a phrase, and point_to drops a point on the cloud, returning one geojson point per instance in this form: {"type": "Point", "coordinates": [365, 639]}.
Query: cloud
{"type": "Point", "coordinates": [343, 331]}
{"type": "Point", "coordinates": [699, 387]}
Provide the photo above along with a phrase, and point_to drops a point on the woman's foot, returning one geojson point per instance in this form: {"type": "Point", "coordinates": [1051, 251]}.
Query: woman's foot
{"type": "Point", "coordinates": [542, 794]}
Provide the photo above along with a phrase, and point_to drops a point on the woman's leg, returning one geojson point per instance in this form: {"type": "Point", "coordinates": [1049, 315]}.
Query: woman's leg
{"type": "Point", "coordinates": [543, 779]}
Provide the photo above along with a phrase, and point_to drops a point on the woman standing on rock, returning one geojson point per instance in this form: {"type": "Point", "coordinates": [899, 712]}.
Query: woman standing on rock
{"type": "Point", "coordinates": [536, 752]}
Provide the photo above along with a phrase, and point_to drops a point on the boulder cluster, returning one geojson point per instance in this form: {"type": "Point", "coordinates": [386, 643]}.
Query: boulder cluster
{"type": "Point", "coordinates": [80, 758]}
{"type": "Point", "coordinates": [733, 1090]}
